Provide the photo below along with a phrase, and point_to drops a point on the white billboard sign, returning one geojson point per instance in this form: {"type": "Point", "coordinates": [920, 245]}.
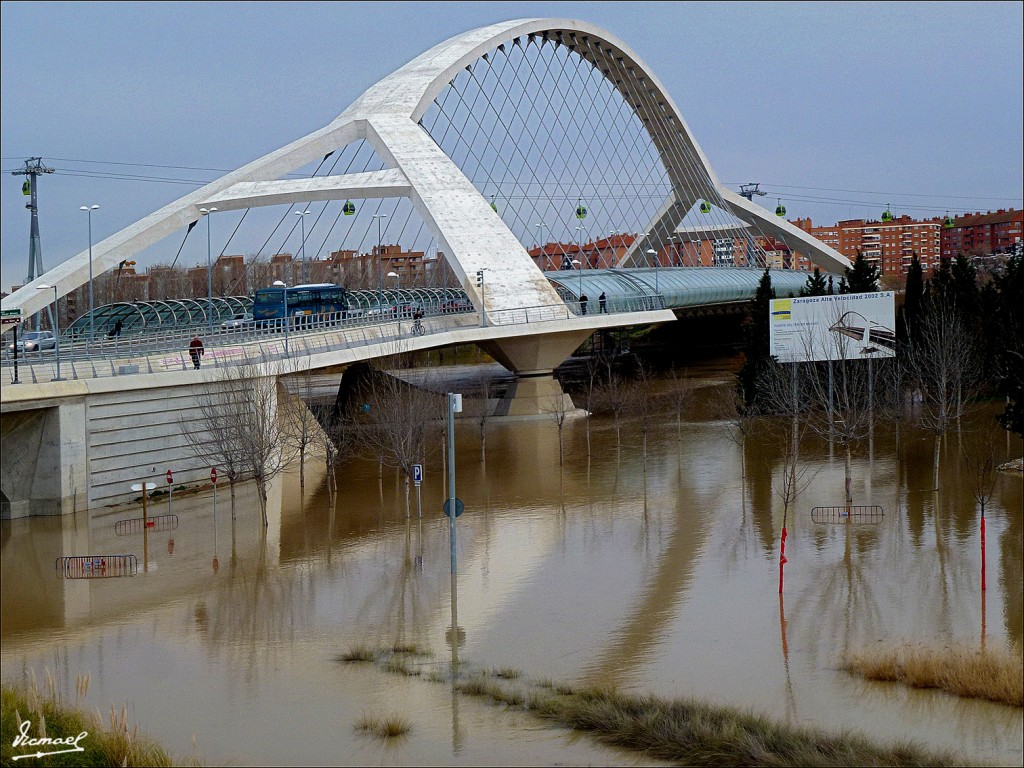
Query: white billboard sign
{"type": "Point", "coordinates": [847, 326]}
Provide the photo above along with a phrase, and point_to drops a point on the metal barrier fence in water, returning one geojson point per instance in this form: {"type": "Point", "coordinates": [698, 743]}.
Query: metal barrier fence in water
{"type": "Point", "coordinates": [138, 524]}
{"type": "Point", "coordinates": [97, 566]}
{"type": "Point", "coordinates": [848, 514]}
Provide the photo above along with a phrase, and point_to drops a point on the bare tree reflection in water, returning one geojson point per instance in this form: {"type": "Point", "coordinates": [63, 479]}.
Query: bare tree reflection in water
{"type": "Point", "coordinates": [253, 614]}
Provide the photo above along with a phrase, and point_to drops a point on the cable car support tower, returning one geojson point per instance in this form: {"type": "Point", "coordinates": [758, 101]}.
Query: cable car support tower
{"type": "Point", "coordinates": [33, 168]}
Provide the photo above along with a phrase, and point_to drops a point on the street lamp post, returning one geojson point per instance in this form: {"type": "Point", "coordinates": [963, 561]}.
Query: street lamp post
{"type": "Point", "coordinates": [287, 320]}
{"type": "Point", "coordinates": [654, 253]}
{"type": "Point", "coordinates": [576, 263]}
{"type": "Point", "coordinates": [543, 248]}
{"type": "Point", "coordinates": [56, 327]}
{"type": "Point", "coordinates": [302, 219]}
{"type": "Point", "coordinates": [380, 267]}
{"type": "Point", "coordinates": [398, 299]}
{"type": "Point", "coordinates": [92, 322]}
{"type": "Point", "coordinates": [209, 273]}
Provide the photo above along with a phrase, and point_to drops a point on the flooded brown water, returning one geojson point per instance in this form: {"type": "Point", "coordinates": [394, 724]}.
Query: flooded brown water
{"type": "Point", "coordinates": [661, 582]}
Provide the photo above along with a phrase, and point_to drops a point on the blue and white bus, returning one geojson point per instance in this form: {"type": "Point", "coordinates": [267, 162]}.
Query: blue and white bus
{"type": "Point", "coordinates": [314, 303]}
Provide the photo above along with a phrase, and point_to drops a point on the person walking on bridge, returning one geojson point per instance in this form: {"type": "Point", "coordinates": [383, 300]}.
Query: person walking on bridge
{"type": "Point", "coordinates": [583, 303]}
{"type": "Point", "coordinates": [602, 303]}
{"type": "Point", "coordinates": [196, 350]}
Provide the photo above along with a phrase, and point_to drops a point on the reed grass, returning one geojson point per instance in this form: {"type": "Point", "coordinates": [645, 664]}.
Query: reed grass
{"type": "Point", "coordinates": [692, 733]}
{"type": "Point", "coordinates": [358, 653]}
{"type": "Point", "coordinates": [111, 742]}
{"type": "Point", "coordinates": [996, 674]}
{"type": "Point", "coordinates": [384, 727]}
{"type": "Point", "coordinates": [506, 673]}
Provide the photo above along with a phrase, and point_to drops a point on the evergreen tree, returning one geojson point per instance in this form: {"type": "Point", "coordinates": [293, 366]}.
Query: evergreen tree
{"type": "Point", "coordinates": [757, 348]}
{"type": "Point", "coordinates": [965, 289]}
{"type": "Point", "coordinates": [862, 277]}
{"type": "Point", "coordinates": [913, 296]}
{"type": "Point", "coordinates": [941, 286]}
{"type": "Point", "coordinates": [1009, 356]}
{"type": "Point", "coordinates": [816, 285]}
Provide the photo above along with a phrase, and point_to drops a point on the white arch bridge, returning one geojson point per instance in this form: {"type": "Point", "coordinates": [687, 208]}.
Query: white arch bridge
{"type": "Point", "coordinates": [544, 131]}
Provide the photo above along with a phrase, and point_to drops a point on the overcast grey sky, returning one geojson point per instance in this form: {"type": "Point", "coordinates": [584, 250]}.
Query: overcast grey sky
{"type": "Point", "coordinates": [840, 108]}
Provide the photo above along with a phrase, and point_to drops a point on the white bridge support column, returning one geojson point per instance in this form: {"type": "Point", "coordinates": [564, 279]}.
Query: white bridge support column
{"type": "Point", "coordinates": [535, 392]}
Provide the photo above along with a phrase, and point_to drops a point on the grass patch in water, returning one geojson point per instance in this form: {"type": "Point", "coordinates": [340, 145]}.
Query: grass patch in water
{"type": "Point", "coordinates": [997, 674]}
{"type": "Point", "coordinates": [358, 654]}
{"type": "Point", "coordinates": [506, 673]}
{"type": "Point", "coordinates": [401, 666]}
{"type": "Point", "coordinates": [112, 743]}
{"type": "Point", "coordinates": [692, 733]}
{"type": "Point", "coordinates": [384, 727]}
{"type": "Point", "coordinates": [409, 649]}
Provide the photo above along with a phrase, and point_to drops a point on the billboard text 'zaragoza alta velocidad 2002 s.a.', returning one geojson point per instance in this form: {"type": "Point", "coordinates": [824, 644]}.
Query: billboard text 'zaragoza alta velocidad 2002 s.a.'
{"type": "Point", "coordinates": [846, 326]}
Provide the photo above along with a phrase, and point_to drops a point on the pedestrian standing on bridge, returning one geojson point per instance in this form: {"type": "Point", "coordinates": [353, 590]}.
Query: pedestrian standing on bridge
{"type": "Point", "coordinates": [583, 303]}
{"type": "Point", "coordinates": [196, 350]}
{"type": "Point", "coordinates": [602, 303]}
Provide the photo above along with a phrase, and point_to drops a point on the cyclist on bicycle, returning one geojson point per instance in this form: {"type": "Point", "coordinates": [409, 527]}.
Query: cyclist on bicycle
{"type": "Point", "coordinates": [417, 325]}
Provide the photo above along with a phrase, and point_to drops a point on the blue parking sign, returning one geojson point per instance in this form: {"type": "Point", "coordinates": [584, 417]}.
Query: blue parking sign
{"type": "Point", "coordinates": [417, 473]}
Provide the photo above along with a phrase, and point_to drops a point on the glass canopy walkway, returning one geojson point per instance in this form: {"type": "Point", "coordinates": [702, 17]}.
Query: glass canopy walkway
{"type": "Point", "coordinates": [681, 287]}
{"type": "Point", "coordinates": [146, 317]}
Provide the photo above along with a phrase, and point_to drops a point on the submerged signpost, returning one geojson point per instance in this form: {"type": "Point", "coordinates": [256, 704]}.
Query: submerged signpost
{"type": "Point", "coordinates": [145, 488]}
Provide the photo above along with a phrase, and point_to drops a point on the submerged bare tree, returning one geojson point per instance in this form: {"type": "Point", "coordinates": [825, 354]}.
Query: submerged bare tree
{"type": "Point", "coordinates": [558, 410]}
{"type": "Point", "coordinates": [302, 432]}
{"type": "Point", "coordinates": [680, 395]}
{"type": "Point", "coordinates": [943, 366]}
{"type": "Point", "coordinates": [484, 390]}
{"type": "Point", "coordinates": [239, 428]}
{"type": "Point", "coordinates": [401, 424]}
{"type": "Point", "coordinates": [613, 396]}
{"type": "Point", "coordinates": [641, 403]}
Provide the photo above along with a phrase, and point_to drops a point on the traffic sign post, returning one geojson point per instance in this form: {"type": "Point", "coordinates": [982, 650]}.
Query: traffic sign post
{"type": "Point", "coordinates": [170, 490]}
{"type": "Point", "coordinates": [447, 507]}
{"type": "Point", "coordinates": [12, 318]}
{"type": "Point", "coordinates": [417, 478]}
{"type": "Point", "coordinates": [213, 479]}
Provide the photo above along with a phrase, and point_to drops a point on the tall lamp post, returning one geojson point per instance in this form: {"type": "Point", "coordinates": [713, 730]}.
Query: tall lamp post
{"type": "Point", "coordinates": [209, 273]}
{"type": "Point", "coordinates": [56, 327]}
{"type": "Point", "coordinates": [543, 248]}
{"type": "Point", "coordinates": [92, 322]}
{"type": "Point", "coordinates": [380, 267]}
{"type": "Point", "coordinates": [287, 320]}
{"type": "Point", "coordinates": [302, 218]}
{"type": "Point", "coordinates": [398, 299]}
{"type": "Point", "coordinates": [577, 265]}
{"type": "Point", "coordinates": [654, 253]}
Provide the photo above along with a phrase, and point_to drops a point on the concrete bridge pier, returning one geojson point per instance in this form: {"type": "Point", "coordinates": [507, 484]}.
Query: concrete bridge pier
{"type": "Point", "coordinates": [44, 466]}
{"type": "Point", "coordinates": [533, 359]}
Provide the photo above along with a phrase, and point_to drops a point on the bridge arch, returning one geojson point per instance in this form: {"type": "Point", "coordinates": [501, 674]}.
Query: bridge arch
{"type": "Point", "coordinates": [473, 238]}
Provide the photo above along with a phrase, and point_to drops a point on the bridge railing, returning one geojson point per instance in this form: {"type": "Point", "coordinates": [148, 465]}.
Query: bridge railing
{"type": "Point", "coordinates": [570, 309]}
{"type": "Point", "coordinates": [268, 342]}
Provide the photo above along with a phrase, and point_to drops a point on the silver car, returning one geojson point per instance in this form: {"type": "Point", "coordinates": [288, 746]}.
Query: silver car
{"type": "Point", "coordinates": [33, 341]}
{"type": "Point", "coordinates": [242, 322]}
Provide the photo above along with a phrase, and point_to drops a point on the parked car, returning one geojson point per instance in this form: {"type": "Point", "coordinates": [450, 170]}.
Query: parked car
{"type": "Point", "coordinates": [242, 322]}
{"type": "Point", "coordinates": [410, 308]}
{"type": "Point", "coordinates": [384, 311]}
{"type": "Point", "coordinates": [456, 305]}
{"type": "Point", "coordinates": [33, 341]}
